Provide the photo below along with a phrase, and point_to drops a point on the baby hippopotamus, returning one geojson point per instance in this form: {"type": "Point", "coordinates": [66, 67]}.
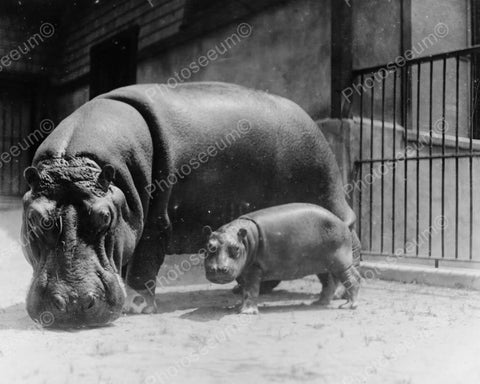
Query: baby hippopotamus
{"type": "Point", "coordinates": [285, 242]}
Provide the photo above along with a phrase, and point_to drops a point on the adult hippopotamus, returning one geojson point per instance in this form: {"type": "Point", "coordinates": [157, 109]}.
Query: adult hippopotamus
{"type": "Point", "coordinates": [283, 242]}
{"type": "Point", "coordinates": [133, 174]}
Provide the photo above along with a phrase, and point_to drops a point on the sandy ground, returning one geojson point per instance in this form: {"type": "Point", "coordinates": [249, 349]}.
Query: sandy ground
{"type": "Point", "coordinates": [399, 334]}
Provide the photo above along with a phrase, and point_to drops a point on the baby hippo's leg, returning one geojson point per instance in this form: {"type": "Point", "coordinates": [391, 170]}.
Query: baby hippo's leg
{"type": "Point", "coordinates": [251, 288]}
{"type": "Point", "coordinates": [238, 290]}
{"type": "Point", "coordinates": [329, 285]}
{"type": "Point", "coordinates": [266, 287]}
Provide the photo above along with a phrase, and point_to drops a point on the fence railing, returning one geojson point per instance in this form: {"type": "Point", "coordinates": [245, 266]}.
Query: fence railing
{"type": "Point", "coordinates": [415, 182]}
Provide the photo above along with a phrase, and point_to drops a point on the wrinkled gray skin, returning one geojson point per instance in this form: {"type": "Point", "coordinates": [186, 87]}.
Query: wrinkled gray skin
{"type": "Point", "coordinates": [75, 274]}
{"type": "Point", "coordinates": [89, 182]}
{"type": "Point", "coordinates": [283, 242]}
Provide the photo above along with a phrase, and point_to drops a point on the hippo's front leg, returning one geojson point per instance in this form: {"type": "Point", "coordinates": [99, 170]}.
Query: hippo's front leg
{"type": "Point", "coordinates": [252, 278]}
{"type": "Point", "coordinates": [142, 274]}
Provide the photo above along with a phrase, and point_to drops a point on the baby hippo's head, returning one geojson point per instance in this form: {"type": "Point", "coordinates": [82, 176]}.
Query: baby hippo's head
{"type": "Point", "coordinates": [226, 253]}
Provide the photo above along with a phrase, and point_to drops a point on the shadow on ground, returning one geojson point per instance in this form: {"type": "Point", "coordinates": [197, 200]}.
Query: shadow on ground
{"type": "Point", "coordinates": [214, 304]}
{"type": "Point", "coordinates": [206, 305]}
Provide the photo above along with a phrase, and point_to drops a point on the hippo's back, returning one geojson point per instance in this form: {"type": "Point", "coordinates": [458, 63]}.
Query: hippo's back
{"type": "Point", "coordinates": [297, 222]}
{"type": "Point", "coordinates": [196, 110]}
{"type": "Point", "coordinates": [298, 239]}
{"type": "Point", "coordinates": [232, 150]}
{"type": "Point", "coordinates": [294, 214]}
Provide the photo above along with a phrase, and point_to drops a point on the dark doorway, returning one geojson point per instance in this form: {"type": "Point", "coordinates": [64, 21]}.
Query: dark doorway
{"type": "Point", "coordinates": [17, 140]}
{"type": "Point", "coordinates": [113, 63]}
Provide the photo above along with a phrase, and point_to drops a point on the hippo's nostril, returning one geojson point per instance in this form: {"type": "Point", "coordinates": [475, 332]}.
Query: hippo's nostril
{"type": "Point", "coordinates": [89, 302]}
{"type": "Point", "coordinates": [59, 303]}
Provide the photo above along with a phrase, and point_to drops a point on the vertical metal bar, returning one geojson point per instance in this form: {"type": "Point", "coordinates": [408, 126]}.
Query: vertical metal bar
{"type": "Point", "coordinates": [372, 102]}
{"type": "Point", "coordinates": [361, 164]}
{"type": "Point", "coordinates": [18, 183]}
{"type": "Point", "coordinates": [457, 75]}
{"type": "Point", "coordinates": [403, 27]}
{"type": "Point", "coordinates": [473, 104]}
{"type": "Point", "coordinates": [382, 165]}
{"type": "Point", "coordinates": [12, 131]}
{"type": "Point", "coordinates": [3, 127]}
{"type": "Point", "coordinates": [418, 161]}
{"type": "Point", "coordinates": [25, 132]}
{"type": "Point", "coordinates": [405, 161]}
{"type": "Point", "coordinates": [394, 170]}
{"type": "Point", "coordinates": [444, 86]}
{"type": "Point", "coordinates": [430, 161]}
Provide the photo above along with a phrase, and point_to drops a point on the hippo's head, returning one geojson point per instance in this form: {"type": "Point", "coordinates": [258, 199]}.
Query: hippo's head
{"type": "Point", "coordinates": [71, 235]}
{"type": "Point", "coordinates": [226, 253]}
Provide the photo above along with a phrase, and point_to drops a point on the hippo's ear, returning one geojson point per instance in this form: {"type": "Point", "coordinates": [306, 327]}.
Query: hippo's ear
{"type": "Point", "coordinates": [32, 176]}
{"type": "Point", "coordinates": [242, 233]}
{"type": "Point", "coordinates": [207, 230]}
{"type": "Point", "coordinates": [106, 176]}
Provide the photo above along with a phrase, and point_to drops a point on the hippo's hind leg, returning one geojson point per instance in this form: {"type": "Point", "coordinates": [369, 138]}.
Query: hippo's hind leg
{"type": "Point", "coordinates": [356, 248]}
{"type": "Point", "coordinates": [350, 278]}
{"type": "Point", "coordinates": [329, 285]}
{"type": "Point", "coordinates": [142, 273]}
{"type": "Point", "coordinates": [341, 265]}
{"type": "Point", "coordinates": [341, 293]}
{"type": "Point", "coordinates": [342, 290]}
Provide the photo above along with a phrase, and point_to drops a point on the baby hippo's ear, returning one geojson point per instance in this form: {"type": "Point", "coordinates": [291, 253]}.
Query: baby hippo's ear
{"type": "Point", "coordinates": [242, 233]}
{"type": "Point", "coordinates": [106, 177]}
{"type": "Point", "coordinates": [207, 231]}
{"type": "Point", "coordinates": [32, 176]}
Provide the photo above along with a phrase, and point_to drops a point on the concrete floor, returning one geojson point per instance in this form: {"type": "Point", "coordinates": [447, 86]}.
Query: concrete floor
{"type": "Point", "coordinates": [401, 333]}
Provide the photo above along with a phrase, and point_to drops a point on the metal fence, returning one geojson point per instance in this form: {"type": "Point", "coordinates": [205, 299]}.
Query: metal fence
{"type": "Point", "coordinates": [416, 174]}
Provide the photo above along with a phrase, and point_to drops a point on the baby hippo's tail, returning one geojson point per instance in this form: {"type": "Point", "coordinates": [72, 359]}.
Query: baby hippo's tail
{"type": "Point", "coordinates": [350, 278]}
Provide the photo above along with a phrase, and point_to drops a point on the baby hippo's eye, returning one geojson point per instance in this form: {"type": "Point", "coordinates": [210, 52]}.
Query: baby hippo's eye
{"type": "Point", "coordinates": [234, 252]}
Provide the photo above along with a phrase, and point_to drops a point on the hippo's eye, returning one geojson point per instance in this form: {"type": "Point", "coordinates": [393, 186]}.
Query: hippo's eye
{"type": "Point", "coordinates": [39, 221]}
{"type": "Point", "coordinates": [212, 248]}
{"type": "Point", "coordinates": [234, 252]}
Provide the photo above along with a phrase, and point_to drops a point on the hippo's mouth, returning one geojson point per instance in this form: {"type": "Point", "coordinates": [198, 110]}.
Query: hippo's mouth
{"type": "Point", "coordinates": [219, 277]}
{"type": "Point", "coordinates": [96, 301]}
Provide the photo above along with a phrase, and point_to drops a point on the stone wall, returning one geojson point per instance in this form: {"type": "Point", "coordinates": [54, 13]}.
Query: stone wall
{"type": "Point", "coordinates": [287, 51]}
